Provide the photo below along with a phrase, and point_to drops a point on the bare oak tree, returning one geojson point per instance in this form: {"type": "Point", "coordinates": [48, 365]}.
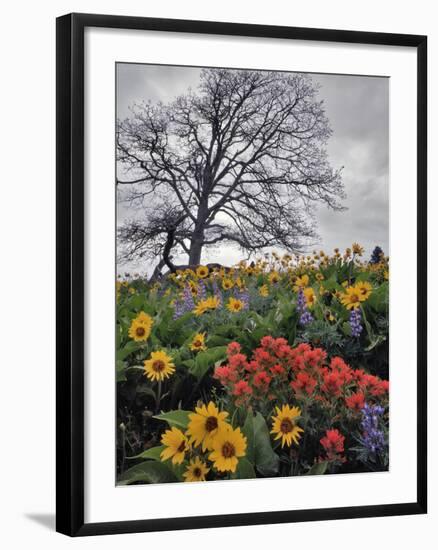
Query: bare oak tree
{"type": "Point", "coordinates": [241, 160]}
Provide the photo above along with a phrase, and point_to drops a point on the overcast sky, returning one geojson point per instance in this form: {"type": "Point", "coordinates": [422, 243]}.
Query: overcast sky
{"type": "Point", "coordinates": [358, 110]}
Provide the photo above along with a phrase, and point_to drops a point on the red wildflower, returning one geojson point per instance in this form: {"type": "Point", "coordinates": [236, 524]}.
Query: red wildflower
{"type": "Point", "coordinates": [333, 443]}
{"type": "Point", "coordinates": [262, 380]}
{"type": "Point", "coordinates": [283, 351]}
{"type": "Point", "coordinates": [315, 358]}
{"type": "Point", "coordinates": [338, 364]}
{"type": "Point", "coordinates": [358, 375]}
{"type": "Point", "coordinates": [252, 366]}
{"type": "Point", "coordinates": [355, 401]}
{"type": "Point", "coordinates": [233, 348]}
{"type": "Point", "coordinates": [267, 342]}
{"type": "Point", "coordinates": [302, 348]}
{"type": "Point", "coordinates": [374, 385]}
{"type": "Point", "coordinates": [332, 384]}
{"type": "Point", "coordinates": [242, 388]}
{"type": "Point", "coordinates": [378, 388]}
{"type": "Point", "coordinates": [303, 383]}
{"type": "Point", "coordinates": [264, 358]}
{"type": "Point", "coordinates": [225, 374]}
{"type": "Point", "coordinates": [278, 370]}
{"type": "Point", "coordinates": [299, 363]}
{"type": "Point", "coordinates": [237, 361]}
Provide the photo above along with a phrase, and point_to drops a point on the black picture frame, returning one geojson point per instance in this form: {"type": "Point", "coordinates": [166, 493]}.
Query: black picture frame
{"type": "Point", "coordinates": [70, 273]}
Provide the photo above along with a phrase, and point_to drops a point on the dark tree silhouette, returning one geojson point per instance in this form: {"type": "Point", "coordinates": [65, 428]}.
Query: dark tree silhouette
{"type": "Point", "coordinates": [240, 161]}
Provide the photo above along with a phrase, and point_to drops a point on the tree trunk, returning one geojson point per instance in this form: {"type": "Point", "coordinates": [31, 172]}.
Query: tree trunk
{"type": "Point", "coordinates": [198, 235]}
{"type": "Point", "coordinates": [195, 250]}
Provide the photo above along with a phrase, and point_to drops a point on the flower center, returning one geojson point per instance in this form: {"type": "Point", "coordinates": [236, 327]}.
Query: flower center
{"type": "Point", "coordinates": [354, 298]}
{"type": "Point", "coordinates": [228, 450]}
{"type": "Point", "coordinates": [182, 447]}
{"type": "Point", "coordinates": [197, 472]}
{"type": "Point", "coordinates": [211, 423]}
{"type": "Point", "coordinates": [286, 425]}
{"type": "Point", "coordinates": [140, 331]}
{"type": "Point", "coordinates": [158, 365]}
{"type": "Point", "coordinates": [197, 343]}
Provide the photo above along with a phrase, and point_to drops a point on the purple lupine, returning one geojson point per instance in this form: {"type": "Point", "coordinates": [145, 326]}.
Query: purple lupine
{"type": "Point", "coordinates": [373, 439]}
{"type": "Point", "coordinates": [217, 292]}
{"type": "Point", "coordinates": [184, 305]}
{"type": "Point", "coordinates": [215, 287]}
{"type": "Point", "coordinates": [202, 291]}
{"type": "Point", "coordinates": [356, 322]}
{"type": "Point", "coordinates": [305, 315]}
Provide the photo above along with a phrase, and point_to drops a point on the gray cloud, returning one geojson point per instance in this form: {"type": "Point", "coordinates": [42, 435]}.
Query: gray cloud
{"type": "Point", "coordinates": [358, 110]}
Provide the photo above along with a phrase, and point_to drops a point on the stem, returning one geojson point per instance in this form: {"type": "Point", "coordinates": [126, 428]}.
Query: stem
{"type": "Point", "coordinates": [158, 397]}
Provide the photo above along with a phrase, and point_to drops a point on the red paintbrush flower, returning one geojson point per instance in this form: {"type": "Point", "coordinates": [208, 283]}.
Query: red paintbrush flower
{"type": "Point", "coordinates": [333, 443]}
{"type": "Point", "coordinates": [355, 401]}
{"type": "Point", "coordinates": [233, 348]}
{"type": "Point", "coordinates": [242, 388]}
{"type": "Point", "coordinates": [332, 384]}
{"type": "Point", "coordinates": [262, 380]}
{"type": "Point", "coordinates": [303, 383]}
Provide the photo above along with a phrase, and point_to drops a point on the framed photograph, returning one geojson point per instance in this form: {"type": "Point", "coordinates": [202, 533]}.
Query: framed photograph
{"type": "Point", "coordinates": [241, 274]}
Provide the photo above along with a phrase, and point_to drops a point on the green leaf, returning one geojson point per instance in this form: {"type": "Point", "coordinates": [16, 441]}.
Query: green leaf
{"type": "Point", "coordinates": [378, 339]}
{"type": "Point", "coordinates": [178, 418]}
{"type": "Point", "coordinates": [207, 359]}
{"type": "Point", "coordinates": [346, 329]}
{"type": "Point", "coordinates": [153, 453]}
{"type": "Point", "coordinates": [129, 348]}
{"type": "Point", "coordinates": [217, 340]}
{"type": "Point", "coordinates": [245, 470]}
{"type": "Point", "coordinates": [248, 432]}
{"type": "Point", "coordinates": [318, 469]}
{"type": "Point", "coordinates": [379, 299]}
{"type": "Point", "coordinates": [266, 460]}
{"type": "Point", "coordinates": [148, 472]}
{"type": "Point", "coordinates": [259, 449]}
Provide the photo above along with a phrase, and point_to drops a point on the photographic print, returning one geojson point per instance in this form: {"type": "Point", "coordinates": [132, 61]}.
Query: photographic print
{"type": "Point", "coordinates": [252, 309]}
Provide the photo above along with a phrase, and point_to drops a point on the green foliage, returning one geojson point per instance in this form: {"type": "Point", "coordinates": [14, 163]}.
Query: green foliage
{"type": "Point", "coordinates": [148, 472]}
{"type": "Point", "coordinates": [145, 408]}
{"type": "Point", "coordinates": [179, 419]}
{"type": "Point", "coordinates": [260, 452]}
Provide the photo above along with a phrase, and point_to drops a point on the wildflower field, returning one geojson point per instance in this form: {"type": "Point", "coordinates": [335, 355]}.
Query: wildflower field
{"type": "Point", "coordinates": [271, 368]}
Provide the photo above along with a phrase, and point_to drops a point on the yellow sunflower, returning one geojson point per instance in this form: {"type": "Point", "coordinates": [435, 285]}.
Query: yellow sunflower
{"type": "Point", "coordinates": [284, 425]}
{"type": "Point", "coordinates": [235, 305]}
{"type": "Point", "coordinates": [196, 470]}
{"type": "Point", "coordinates": [205, 424]}
{"type": "Point", "coordinates": [301, 282]}
{"type": "Point", "coordinates": [274, 277]}
{"type": "Point", "coordinates": [240, 283]}
{"type": "Point", "coordinates": [198, 342]}
{"type": "Point", "coordinates": [193, 288]}
{"type": "Point", "coordinates": [351, 298]}
{"type": "Point", "coordinates": [365, 289]}
{"type": "Point", "coordinates": [204, 305]}
{"type": "Point", "coordinates": [228, 446]}
{"type": "Point", "coordinates": [159, 366]}
{"type": "Point", "coordinates": [357, 249]}
{"type": "Point", "coordinates": [264, 291]}
{"type": "Point", "coordinates": [227, 284]}
{"type": "Point", "coordinates": [140, 328]}
{"type": "Point", "coordinates": [202, 271]}
{"type": "Point", "coordinates": [309, 295]}
{"type": "Point", "coordinates": [176, 444]}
